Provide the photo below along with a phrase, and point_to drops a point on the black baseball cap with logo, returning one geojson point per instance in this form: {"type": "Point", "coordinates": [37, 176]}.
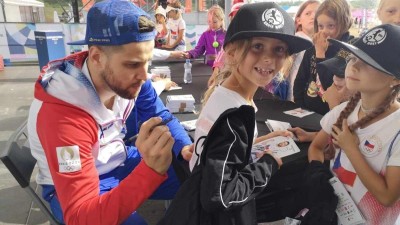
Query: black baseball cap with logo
{"type": "Point", "coordinates": [379, 47]}
{"type": "Point", "coordinates": [265, 19]}
{"type": "Point", "coordinates": [337, 64]}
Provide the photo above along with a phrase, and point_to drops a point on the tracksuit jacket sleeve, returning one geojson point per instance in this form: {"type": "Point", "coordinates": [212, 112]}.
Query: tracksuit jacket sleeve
{"type": "Point", "coordinates": [228, 179]}
{"type": "Point", "coordinates": [147, 105]}
{"type": "Point", "coordinates": [200, 47]}
{"type": "Point", "coordinates": [302, 79]}
{"type": "Point", "coordinates": [78, 192]}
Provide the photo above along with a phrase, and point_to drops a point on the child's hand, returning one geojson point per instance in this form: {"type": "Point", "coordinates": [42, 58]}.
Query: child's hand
{"type": "Point", "coordinates": [277, 159]}
{"type": "Point", "coordinates": [321, 44]}
{"type": "Point", "coordinates": [344, 138]}
{"type": "Point", "coordinates": [177, 54]}
{"type": "Point", "coordinates": [187, 152]}
{"type": "Point", "coordinates": [284, 133]}
{"type": "Point", "coordinates": [166, 46]}
{"type": "Point", "coordinates": [302, 135]}
{"type": "Point", "coordinates": [186, 55]}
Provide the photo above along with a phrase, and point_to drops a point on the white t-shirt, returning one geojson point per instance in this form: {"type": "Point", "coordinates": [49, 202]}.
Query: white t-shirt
{"type": "Point", "coordinates": [174, 26]}
{"type": "Point", "coordinates": [374, 145]}
{"type": "Point", "coordinates": [220, 100]}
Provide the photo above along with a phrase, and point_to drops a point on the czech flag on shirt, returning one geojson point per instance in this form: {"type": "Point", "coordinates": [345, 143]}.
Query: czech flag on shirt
{"type": "Point", "coordinates": [345, 176]}
{"type": "Point", "coordinates": [369, 145]}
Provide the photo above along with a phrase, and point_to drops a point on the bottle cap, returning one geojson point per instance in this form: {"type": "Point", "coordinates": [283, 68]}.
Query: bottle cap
{"type": "Point", "coordinates": [188, 60]}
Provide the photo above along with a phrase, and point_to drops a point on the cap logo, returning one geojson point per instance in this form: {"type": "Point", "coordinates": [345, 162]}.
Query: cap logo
{"type": "Point", "coordinates": [273, 18]}
{"type": "Point", "coordinates": [343, 54]}
{"type": "Point", "coordinates": [375, 36]}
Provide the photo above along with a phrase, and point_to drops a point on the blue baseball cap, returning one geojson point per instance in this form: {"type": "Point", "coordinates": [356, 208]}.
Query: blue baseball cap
{"type": "Point", "coordinates": [114, 22]}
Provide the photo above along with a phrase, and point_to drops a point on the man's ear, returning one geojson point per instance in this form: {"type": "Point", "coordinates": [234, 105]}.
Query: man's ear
{"type": "Point", "coordinates": [97, 56]}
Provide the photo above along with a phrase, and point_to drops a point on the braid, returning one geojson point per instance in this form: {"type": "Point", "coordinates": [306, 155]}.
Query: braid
{"type": "Point", "coordinates": [351, 105]}
{"type": "Point", "coordinates": [381, 109]}
{"type": "Point", "coordinates": [330, 150]}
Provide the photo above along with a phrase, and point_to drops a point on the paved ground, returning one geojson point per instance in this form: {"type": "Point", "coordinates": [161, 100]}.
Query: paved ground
{"type": "Point", "coordinates": [16, 94]}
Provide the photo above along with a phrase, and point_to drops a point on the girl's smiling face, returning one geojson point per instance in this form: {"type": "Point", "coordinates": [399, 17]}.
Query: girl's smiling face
{"type": "Point", "coordinates": [263, 61]}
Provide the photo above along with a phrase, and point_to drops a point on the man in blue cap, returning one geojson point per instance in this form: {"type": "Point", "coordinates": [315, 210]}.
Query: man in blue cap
{"type": "Point", "coordinates": [86, 105]}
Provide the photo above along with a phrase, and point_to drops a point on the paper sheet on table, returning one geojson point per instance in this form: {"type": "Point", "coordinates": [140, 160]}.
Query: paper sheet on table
{"type": "Point", "coordinates": [175, 88]}
{"type": "Point", "coordinates": [274, 125]}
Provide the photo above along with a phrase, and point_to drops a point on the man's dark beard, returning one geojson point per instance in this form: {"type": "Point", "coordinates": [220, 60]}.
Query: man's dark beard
{"type": "Point", "coordinates": [108, 78]}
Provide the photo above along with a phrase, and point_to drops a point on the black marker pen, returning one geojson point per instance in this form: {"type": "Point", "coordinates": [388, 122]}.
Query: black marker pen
{"type": "Point", "coordinates": [164, 122]}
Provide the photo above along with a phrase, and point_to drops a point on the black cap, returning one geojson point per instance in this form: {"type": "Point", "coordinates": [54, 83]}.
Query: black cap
{"type": "Point", "coordinates": [265, 19]}
{"type": "Point", "coordinates": [379, 47]}
{"type": "Point", "coordinates": [337, 64]}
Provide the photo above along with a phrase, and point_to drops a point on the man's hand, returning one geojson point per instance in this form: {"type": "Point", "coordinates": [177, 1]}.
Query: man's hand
{"type": "Point", "coordinates": [187, 152]}
{"type": "Point", "coordinates": [155, 145]}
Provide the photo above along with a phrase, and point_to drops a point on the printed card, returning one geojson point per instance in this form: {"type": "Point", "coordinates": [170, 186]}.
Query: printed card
{"type": "Point", "coordinates": [299, 112]}
{"type": "Point", "coordinates": [280, 146]}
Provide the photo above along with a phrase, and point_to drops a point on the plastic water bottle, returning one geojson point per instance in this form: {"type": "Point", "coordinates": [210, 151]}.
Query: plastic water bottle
{"type": "Point", "coordinates": [187, 77]}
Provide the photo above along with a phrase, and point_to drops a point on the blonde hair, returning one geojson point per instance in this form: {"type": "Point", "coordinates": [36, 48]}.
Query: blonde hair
{"type": "Point", "coordinates": [338, 10]}
{"type": "Point", "coordinates": [239, 47]}
{"type": "Point", "coordinates": [218, 12]}
{"type": "Point", "coordinates": [287, 68]}
{"type": "Point", "coordinates": [301, 10]}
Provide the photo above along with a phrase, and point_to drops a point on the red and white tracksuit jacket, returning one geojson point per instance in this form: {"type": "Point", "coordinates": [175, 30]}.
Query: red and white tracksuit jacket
{"type": "Point", "coordinates": [75, 139]}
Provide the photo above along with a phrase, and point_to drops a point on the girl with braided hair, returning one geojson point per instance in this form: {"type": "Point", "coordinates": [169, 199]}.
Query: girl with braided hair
{"type": "Point", "coordinates": [364, 132]}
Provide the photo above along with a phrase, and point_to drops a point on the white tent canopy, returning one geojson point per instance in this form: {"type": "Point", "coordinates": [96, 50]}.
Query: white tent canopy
{"type": "Point", "coordinates": [24, 3]}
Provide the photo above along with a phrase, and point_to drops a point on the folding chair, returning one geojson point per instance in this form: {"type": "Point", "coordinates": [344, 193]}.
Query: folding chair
{"type": "Point", "coordinates": [18, 159]}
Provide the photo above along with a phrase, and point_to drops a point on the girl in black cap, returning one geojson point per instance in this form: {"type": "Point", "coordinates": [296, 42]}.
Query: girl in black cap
{"type": "Point", "coordinates": [258, 41]}
{"type": "Point", "coordinates": [364, 131]}
{"type": "Point", "coordinates": [332, 20]}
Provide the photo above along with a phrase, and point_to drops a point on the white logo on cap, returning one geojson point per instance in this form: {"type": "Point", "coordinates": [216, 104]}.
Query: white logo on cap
{"type": "Point", "coordinates": [273, 18]}
{"type": "Point", "coordinates": [375, 36]}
